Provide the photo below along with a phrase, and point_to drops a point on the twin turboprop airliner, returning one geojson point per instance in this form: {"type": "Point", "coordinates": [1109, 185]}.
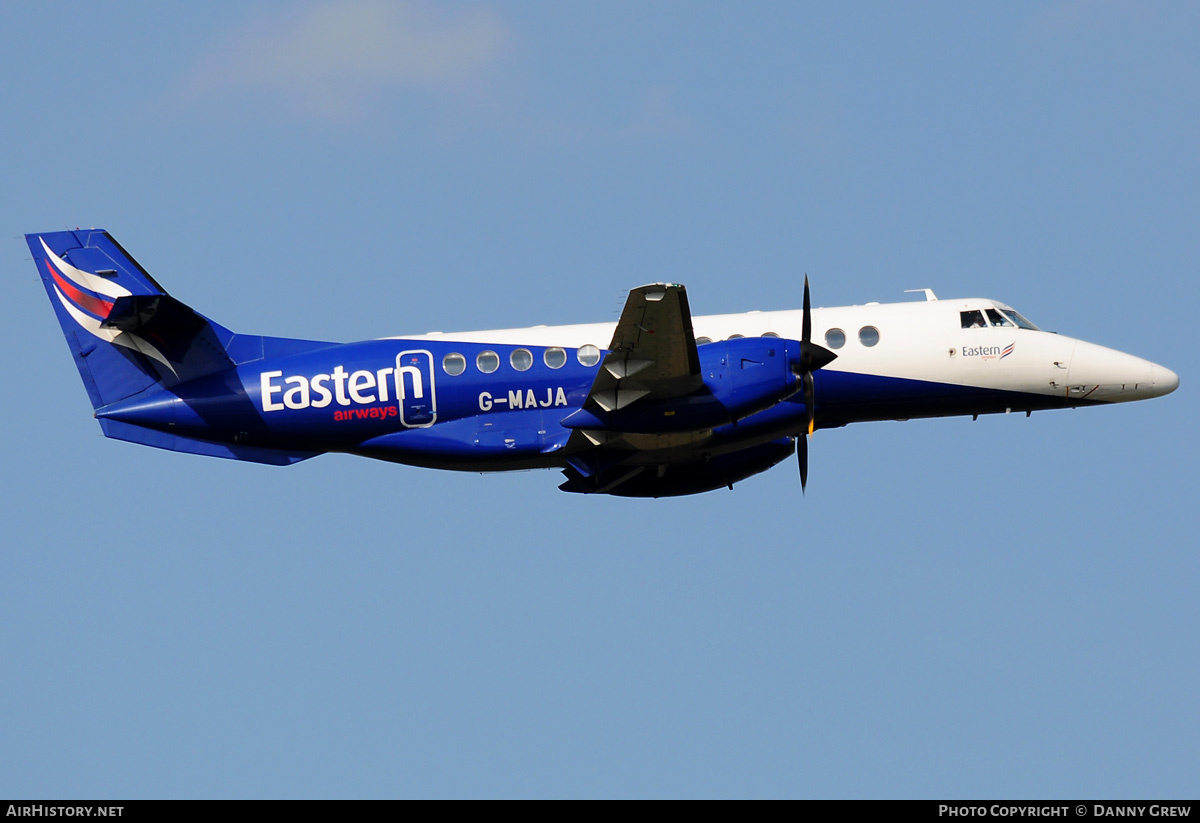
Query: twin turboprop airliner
{"type": "Point", "coordinates": [659, 404]}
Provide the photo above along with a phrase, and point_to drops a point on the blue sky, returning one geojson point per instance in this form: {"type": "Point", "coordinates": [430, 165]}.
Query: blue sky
{"type": "Point", "coordinates": [1001, 608]}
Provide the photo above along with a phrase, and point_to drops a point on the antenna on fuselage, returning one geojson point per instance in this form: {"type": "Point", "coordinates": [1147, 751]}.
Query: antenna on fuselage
{"type": "Point", "coordinates": [929, 295]}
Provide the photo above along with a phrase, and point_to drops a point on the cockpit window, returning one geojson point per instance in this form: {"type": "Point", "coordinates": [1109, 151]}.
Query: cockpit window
{"type": "Point", "coordinates": [973, 319]}
{"type": "Point", "coordinates": [998, 319]}
{"type": "Point", "coordinates": [1021, 321]}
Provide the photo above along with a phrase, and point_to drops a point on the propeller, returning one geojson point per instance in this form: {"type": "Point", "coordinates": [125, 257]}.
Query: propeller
{"type": "Point", "coordinates": [812, 357]}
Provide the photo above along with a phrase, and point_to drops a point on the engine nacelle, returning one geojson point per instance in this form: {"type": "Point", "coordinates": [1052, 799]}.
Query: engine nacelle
{"type": "Point", "coordinates": [682, 478]}
{"type": "Point", "coordinates": [741, 377]}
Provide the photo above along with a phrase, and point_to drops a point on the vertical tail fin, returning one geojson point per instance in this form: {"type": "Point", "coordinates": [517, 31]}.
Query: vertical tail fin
{"type": "Point", "coordinates": [124, 331]}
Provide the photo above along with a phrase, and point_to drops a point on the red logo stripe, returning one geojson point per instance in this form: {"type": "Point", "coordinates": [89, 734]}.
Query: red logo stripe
{"type": "Point", "coordinates": [94, 305]}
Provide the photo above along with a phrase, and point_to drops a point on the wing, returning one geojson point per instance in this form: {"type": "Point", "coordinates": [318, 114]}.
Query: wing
{"type": "Point", "coordinates": [653, 351]}
{"type": "Point", "coordinates": [652, 358]}
{"type": "Point", "coordinates": [644, 429]}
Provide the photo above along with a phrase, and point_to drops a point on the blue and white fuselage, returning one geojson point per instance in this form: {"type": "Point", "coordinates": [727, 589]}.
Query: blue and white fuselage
{"type": "Point", "coordinates": [919, 363]}
{"type": "Point", "coordinates": [659, 403]}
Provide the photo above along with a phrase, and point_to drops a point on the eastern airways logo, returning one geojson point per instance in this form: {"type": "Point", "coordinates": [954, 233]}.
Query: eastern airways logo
{"type": "Point", "coordinates": [988, 352]}
{"type": "Point", "coordinates": [409, 385]}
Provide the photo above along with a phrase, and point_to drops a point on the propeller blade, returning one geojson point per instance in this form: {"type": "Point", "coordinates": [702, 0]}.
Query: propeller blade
{"type": "Point", "coordinates": [806, 331]}
{"type": "Point", "coordinates": [812, 357]}
{"type": "Point", "coordinates": [802, 457]}
{"type": "Point", "coordinates": [806, 381]}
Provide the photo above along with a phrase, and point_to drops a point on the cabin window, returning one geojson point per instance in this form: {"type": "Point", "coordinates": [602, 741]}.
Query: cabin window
{"type": "Point", "coordinates": [769, 334]}
{"type": "Point", "coordinates": [835, 338]}
{"type": "Point", "coordinates": [487, 362]}
{"type": "Point", "coordinates": [702, 341]}
{"type": "Point", "coordinates": [868, 336]}
{"type": "Point", "coordinates": [735, 337]}
{"type": "Point", "coordinates": [454, 364]}
{"type": "Point", "coordinates": [521, 359]}
{"type": "Point", "coordinates": [588, 355]}
{"type": "Point", "coordinates": [973, 319]}
{"type": "Point", "coordinates": [555, 358]}
{"type": "Point", "coordinates": [998, 319]}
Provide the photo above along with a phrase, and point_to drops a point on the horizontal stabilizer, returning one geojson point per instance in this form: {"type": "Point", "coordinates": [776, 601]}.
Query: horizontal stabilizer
{"type": "Point", "coordinates": [191, 445]}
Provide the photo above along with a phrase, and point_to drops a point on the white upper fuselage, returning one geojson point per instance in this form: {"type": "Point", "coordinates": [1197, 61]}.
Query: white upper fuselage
{"type": "Point", "coordinates": [918, 340]}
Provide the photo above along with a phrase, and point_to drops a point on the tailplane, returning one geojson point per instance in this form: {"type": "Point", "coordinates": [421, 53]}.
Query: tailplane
{"type": "Point", "coordinates": [132, 340]}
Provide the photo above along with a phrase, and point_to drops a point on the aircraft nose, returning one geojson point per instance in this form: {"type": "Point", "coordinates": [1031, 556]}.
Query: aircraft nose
{"type": "Point", "coordinates": [1098, 373]}
{"type": "Point", "coordinates": [1163, 380]}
